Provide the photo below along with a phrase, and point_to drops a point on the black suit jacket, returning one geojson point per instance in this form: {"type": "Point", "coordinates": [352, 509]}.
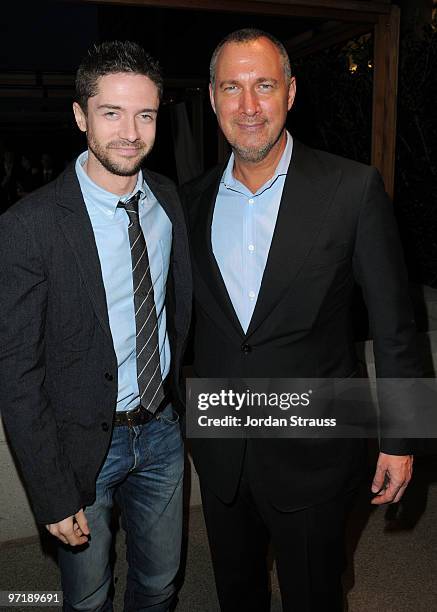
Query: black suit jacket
{"type": "Point", "coordinates": [335, 226]}
{"type": "Point", "coordinates": [58, 368]}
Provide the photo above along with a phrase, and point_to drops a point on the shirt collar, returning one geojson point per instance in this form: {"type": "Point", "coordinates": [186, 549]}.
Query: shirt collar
{"type": "Point", "coordinates": [105, 200]}
{"type": "Point", "coordinates": [230, 181]}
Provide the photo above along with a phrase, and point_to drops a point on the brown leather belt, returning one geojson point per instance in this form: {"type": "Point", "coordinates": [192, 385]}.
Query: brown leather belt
{"type": "Point", "coordinates": [139, 415]}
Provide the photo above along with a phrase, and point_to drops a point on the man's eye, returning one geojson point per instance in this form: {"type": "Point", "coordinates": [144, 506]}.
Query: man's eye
{"type": "Point", "coordinates": [265, 86]}
{"type": "Point", "coordinates": [111, 115]}
{"type": "Point", "coordinates": [146, 117]}
{"type": "Point", "coordinates": [230, 88]}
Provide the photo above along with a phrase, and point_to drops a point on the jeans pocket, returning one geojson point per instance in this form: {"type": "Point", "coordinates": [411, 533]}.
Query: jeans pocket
{"type": "Point", "coordinates": [169, 416]}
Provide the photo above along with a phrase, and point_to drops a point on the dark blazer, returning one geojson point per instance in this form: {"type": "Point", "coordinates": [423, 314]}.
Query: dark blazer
{"type": "Point", "coordinates": [58, 368]}
{"type": "Point", "coordinates": [335, 226]}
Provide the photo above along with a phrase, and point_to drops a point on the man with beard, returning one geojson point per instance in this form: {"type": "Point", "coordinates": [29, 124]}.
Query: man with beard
{"type": "Point", "coordinates": [279, 234]}
{"type": "Point", "coordinates": [96, 294]}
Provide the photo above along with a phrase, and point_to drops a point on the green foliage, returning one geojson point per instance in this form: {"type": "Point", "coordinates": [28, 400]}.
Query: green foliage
{"type": "Point", "coordinates": [335, 92]}
{"type": "Point", "coordinates": [334, 112]}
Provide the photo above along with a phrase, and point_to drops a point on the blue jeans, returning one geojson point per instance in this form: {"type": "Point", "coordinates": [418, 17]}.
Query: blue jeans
{"type": "Point", "coordinates": [143, 473]}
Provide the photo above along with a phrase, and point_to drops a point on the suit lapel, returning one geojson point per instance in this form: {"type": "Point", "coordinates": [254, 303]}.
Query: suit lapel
{"type": "Point", "coordinates": [306, 197]}
{"type": "Point", "coordinates": [167, 198]}
{"type": "Point", "coordinates": [76, 226]}
{"type": "Point", "coordinates": [204, 256]}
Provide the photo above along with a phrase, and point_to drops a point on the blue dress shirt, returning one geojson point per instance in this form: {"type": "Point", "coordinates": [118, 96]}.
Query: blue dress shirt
{"type": "Point", "coordinates": [110, 226]}
{"type": "Point", "coordinates": [242, 229]}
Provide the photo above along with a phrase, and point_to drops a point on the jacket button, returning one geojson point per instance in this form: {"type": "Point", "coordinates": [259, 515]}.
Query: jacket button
{"type": "Point", "coordinates": [108, 376]}
{"type": "Point", "coordinates": [105, 426]}
{"type": "Point", "coordinates": [246, 348]}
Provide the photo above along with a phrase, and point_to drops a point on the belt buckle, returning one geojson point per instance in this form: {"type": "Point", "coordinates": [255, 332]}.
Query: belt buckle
{"type": "Point", "coordinates": [129, 420]}
{"type": "Point", "coordinates": [131, 415]}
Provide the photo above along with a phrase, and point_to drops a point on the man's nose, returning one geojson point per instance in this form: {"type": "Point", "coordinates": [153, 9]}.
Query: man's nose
{"type": "Point", "coordinates": [128, 129]}
{"type": "Point", "coordinates": [249, 102]}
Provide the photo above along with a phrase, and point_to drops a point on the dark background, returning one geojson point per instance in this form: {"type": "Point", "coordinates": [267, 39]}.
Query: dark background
{"type": "Point", "coordinates": [42, 44]}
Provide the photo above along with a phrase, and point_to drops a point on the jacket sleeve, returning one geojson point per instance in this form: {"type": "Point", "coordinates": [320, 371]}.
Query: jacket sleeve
{"type": "Point", "coordinates": [380, 270]}
{"type": "Point", "coordinates": [26, 409]}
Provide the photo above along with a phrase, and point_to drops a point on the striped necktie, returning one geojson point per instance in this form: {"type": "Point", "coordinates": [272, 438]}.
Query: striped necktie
{"type": "Point", "coordinates": [147, 341]}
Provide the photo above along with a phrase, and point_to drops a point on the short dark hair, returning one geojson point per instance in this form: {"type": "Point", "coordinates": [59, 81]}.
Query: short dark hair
{"type": "Point", "coordinates": [247, 35]}
{"type": "Point", "coordinates": [109, 58]}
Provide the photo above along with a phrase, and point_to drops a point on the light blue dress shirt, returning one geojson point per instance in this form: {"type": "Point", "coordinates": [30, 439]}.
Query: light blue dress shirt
{"type": "Point", "coordinates": [110, 226]}
{"type": "Point", "coordinates": [242, 229]}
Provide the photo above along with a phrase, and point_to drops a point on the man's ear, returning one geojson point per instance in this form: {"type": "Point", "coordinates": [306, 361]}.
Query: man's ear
{"type": "Point", "coordinates": [211, 97]}
{"type": "Point", "coordinates": [80, 117]}
{"type": "Point", "coordinates": [291, 92]}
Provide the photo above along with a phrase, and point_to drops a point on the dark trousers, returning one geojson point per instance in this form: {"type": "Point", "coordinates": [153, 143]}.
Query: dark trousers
{"type": "Point", "coordinates": [308, 546]}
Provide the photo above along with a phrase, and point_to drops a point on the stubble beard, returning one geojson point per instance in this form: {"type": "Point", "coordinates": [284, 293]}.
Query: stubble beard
{"type": "Point", "coordinates": [102, 154]}
{"type": "Point", "coordinates": [254, 154]}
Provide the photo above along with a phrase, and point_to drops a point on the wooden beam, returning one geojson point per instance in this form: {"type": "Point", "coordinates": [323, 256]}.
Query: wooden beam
{"type": "Point", "coordinates": [318, 40]}
{"type": "Point", "coordinates": [385, 85]}
{"type": "Point", "coordinates": [343, 10]}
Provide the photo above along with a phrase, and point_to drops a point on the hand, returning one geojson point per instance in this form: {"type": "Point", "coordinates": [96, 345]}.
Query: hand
{"type": "Point", "coordinates": [392, 475]}
{"type": "Point", "coordinates": [72, 530]}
